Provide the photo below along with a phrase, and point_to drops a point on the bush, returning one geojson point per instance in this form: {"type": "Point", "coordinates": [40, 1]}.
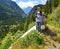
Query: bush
{"type": "Point", "coordinates": [31, 25]}
{"type": "Point", "coordinates": [56, 17]}
{"type": "Point", "coordinates": [6, 42]}
{"type": "Point", "coordinates": [33, 38]}
{"type": "Point", "coordinates": [17, 35]}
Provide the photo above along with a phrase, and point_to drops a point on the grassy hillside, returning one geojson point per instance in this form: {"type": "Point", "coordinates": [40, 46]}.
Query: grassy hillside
{"type": "Point", "coordinates": [15, 31]}
{"type": "Point", "coordinates": [54, 18]}
{"type": "Point", "coordinates": [35, 40]}
{"type": "Point", "coordinates": [32, 40]}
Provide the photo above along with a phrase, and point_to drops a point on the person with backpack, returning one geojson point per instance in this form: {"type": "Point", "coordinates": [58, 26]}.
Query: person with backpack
{"type": "Point", "coordinates": [39, 17]}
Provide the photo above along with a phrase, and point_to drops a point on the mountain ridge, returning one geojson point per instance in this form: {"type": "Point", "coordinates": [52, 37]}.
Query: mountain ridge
{"type": "Point", "coordinates": [9, 9]}
{"type": "Point", "coordinates": [27, 10]}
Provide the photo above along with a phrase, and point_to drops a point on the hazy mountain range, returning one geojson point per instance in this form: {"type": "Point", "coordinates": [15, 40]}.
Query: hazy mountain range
{"type": "Point", "coordinates": [27, 10]}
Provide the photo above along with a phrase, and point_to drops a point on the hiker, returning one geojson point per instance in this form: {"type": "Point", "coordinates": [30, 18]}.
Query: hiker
{"type": "Point", "coordinates": [38, 19]}
{"type": "Point", "coordinates": [40, 16]}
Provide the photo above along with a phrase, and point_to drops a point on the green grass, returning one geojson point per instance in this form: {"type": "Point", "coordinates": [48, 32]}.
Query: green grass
{"type": "Point", "coordinates": [54, 18]}
{"type": "Point", "coordinates": [6, 42]}
{"type": "Point", "coordinates": [31, 25]}
{"type": "Point", "coordinates": [32, 40]}
{"type": "Point", "coordinates": [54, 21]}
{"type": "Point", "coordinates": [9, 39]}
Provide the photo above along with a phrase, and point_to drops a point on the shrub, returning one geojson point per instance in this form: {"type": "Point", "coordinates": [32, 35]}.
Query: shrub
{"type": "Point", "coordinates": [56, 17]}
{"type": "Point", "coordinates": [6, 42]}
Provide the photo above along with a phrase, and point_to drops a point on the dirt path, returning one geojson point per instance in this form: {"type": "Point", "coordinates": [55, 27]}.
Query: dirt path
{"type": "Point", "coordinates": [53, 45]}
{"type": "Point", "coordinates": [33, 28]}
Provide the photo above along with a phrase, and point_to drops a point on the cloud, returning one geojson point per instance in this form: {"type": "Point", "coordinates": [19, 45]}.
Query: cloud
{"type": "Point", "coordinates": [13, 0]}
{"type": "Point", "coordinates": [27, 4]}
{"type": "Point", "coordinates": [43, 1]}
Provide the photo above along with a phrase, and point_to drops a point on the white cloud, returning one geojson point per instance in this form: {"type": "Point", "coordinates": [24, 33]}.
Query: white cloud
{"type": "Point", "coordinates": [13, 0]}
{"type": "Point", "coordinates": [43, 1]}
{"type": "Point", "coordinates": [27, 4]}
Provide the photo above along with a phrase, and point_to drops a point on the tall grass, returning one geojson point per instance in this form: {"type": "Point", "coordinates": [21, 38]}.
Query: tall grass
{"type": "Point", "coordinates": [6, 42]}
{"type": "Point", "coordinates": [34, 40]}
{"type": "Point", "coordinates": [54, 18]}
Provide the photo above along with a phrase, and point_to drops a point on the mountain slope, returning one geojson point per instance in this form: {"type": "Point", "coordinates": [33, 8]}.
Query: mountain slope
{"type": "Point", "coordinates": [10, 14]}
{"type": "Point", "coordinates": [10, 11]}
{"type": "Point", "coordinates": [35, 40]}
{"type": "Point", "coordinates": [27, 10]}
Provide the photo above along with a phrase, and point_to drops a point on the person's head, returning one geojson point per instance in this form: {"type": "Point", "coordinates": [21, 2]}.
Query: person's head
{"type": "Point", "coordinates": [38, 9]}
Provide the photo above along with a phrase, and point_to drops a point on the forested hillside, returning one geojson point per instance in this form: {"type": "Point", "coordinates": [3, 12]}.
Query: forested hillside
{"type": "Point", "coordinates": [10, 14]}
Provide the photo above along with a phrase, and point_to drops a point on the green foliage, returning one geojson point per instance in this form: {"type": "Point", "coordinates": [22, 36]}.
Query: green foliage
{"type": "Point", "coordinates": [49, 19]}
{"type": "Point", "coordinates": [26, 24]}
{"type": "Point", "coordinates": [9, 39]}
{"type": "Point", "coordinates": [31, 25]}
{"type": "Point", "coordinates": [6, 42]}
{"type": "Point", "coordinates": [54, 18]}
{"type": "Point", "coordinates": [56, 15]}
{"type": "Point", "coordinates": [33, 39]}
{"type": "Point", "coordinates": [17, 35]}
{"type": "Point", "coordinates": [10, 15]}
{"type": "Point", "coordinates": [14, 28]}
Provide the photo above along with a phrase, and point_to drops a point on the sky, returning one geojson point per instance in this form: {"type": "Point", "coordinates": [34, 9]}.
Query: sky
{"type": "Point", "coordinates": [29, 3]}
